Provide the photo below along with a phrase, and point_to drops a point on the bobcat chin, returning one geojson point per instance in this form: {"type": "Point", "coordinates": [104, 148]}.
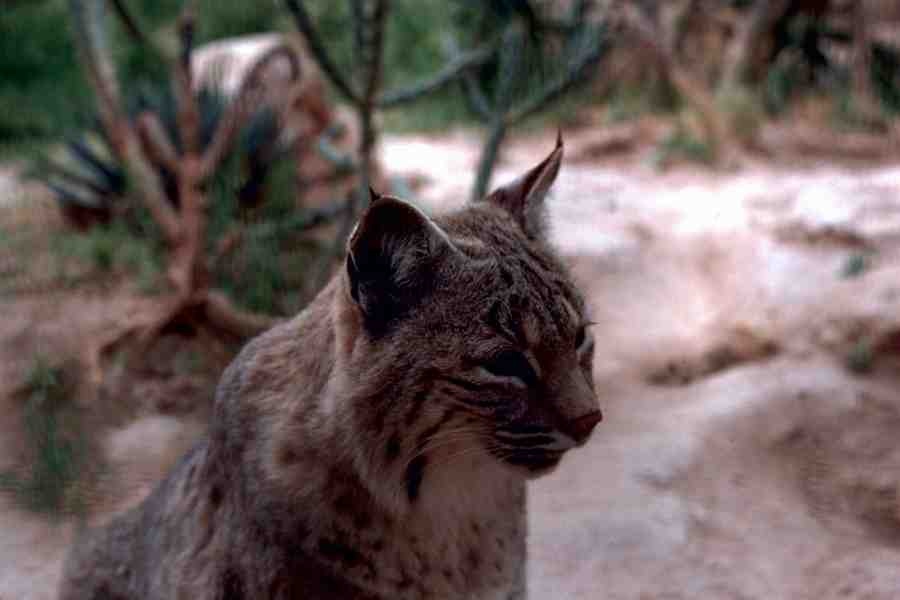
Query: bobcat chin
{"type": "Point", "coordinates": [377, 445]}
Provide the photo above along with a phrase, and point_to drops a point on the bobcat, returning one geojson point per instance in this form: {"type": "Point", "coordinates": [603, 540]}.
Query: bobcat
{"type": "Point", "coordinates": [377, 445]}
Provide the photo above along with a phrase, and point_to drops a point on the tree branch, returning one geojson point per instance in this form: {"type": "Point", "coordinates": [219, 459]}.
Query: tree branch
{"type": "Point", "coordinates": [475, 97]}
{"type": "Point", "coordinates": [130, 23]}
{"type": "Point", "coordinates": [675, 16]}
{"type": "Point", "coordinates": [370, 67]}
{"type": "Point", "coordinates": [156, 141]}
{"type": "Point", "coordinates": [716, 131]}
{"type": "Point", "coordinates": [512, 55]}
{"type": "Point", "coordinates": [306, 27]}
{"type": "Point", "coordinates": [188, 116]}
{"type": "Point", "coordinates": [90, 38]}
{"type": "Point", "coordinates": [576, 75]}
{"type": "Point", "coordinates": [373, 51]}
{"type": "Point", "coordinates": [223, 313]}
{"type": "Point", "coordinates": [488, 159]}
{"type": "Point", "coordinates": [454, 68]}
{"type": "Point", "coordinates": [302, 222]}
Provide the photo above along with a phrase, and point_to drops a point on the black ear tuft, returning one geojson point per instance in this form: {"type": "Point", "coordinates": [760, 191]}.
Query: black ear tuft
{"type": "Point", "coordinates": [524, 197]}
{"type": "Point", "coordinates": [392, 256]}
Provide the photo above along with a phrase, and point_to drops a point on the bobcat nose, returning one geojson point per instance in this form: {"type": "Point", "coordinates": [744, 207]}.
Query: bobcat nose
{"type": "Point", "coordinates": [580, 428]}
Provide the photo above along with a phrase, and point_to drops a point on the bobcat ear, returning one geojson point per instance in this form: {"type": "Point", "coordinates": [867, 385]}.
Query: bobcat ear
{"type": "Point", "coordinates": [524, 197]}
{"type": "Point", "coordinates": [391, 259]}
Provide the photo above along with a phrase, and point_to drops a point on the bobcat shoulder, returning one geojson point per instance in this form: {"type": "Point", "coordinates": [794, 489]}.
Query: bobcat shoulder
{"type": "Point", "coordinates": [377, 445]}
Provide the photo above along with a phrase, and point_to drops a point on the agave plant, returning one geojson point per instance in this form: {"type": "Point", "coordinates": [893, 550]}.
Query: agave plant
{"type": "Point", "coordinates": [90, 185]}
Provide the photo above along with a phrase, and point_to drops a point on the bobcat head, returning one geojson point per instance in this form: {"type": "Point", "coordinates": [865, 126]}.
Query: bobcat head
{"type": "Point", "coordinates": [464, 331]}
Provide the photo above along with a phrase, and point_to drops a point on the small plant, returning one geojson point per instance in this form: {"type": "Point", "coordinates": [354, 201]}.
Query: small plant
{"type": "Point", "coordinates": [109, 249]}
{"type": "Point", "coordinates": [56, 446]}
{"type": "Point", "coordinates": [681, 144]}
{"type": "Point", "coordinates": [855, 265]}
{"type": "Point", "coordinates": [743, 112]}
{"type": "Point", "coordinates": [861, 358]}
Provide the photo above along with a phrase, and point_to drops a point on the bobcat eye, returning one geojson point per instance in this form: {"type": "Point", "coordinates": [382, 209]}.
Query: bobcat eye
{"type": "Point", "coordinates": [511, 363]}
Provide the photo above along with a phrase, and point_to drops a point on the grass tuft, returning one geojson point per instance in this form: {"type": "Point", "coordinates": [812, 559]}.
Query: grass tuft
{"type": "Point", "coordinates": [56, 446]}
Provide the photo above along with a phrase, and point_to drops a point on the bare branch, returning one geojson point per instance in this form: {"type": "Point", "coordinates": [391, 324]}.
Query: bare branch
{"type": "Point", "coordinates": [475, 96]}
{"type": "Point", "coordinates": [509, 70]}
{"type": "Point", "coordinates": [306, 27]}
{"type": "Point", "coordinates": [716, 130]}
{"type": "Point", "coordinates": [373, 49]}
{"type": "Point", "coordinates": [675, 17]}
{"type": "Point", "coordinates": [575, 75]}
{"type": "Point", "coordinates": [222, 313]}
{"type": "Point", "coordinates": [130, 23]}
{"type": "Point", "coordinates": [488, 158]}
{"type": "Point", "coordinates": [156, 141]}
{"type": "Point", "coordinates": [370, 66]}
{"type": "Point", "coordinates": [188, 114]}
{"type": "Point", "coordinates": [90, 38]}
{"type": "Point", "coordinates": [358, 22]}
{"type": "Point", "coordinates": [454, 68]}
{"type": "Point", "coordinates": [303, 222]}
{"type": "Point", "coordinates": [291, 226]}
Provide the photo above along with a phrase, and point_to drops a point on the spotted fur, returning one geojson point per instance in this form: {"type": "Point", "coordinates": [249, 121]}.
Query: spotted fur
{"type": "Point", "coordinates": [377, 445]}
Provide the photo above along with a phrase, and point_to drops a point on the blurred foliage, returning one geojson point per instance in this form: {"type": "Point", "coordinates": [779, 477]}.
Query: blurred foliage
{"type": "Point", "coordinates": [266, 273]}
{"type": "Point", "coordinates": [680, 144]}
{"type": "Point", "coordinates": [43, 96]}
{"type": "Point", "coordinates": [106, 250]}
{"type": "Point", "coordinates": [42, 92]}
{"type": "Point", "coordinates": [743, 110]}
{"type": "Point", "coordinates": [860, 358]}
{"type": "Point", "coordinates": [91, 185]}
{"type": "Point", "coordinates": [886, 77]}
{"type": "Point", "coordinates": [415, 47]}
{"type": "Point", "coordinates": [856, 264]}
{"type": "Point", "coordinates": [56, 446]}
{"type": "Point", "coordinates": [802, 67]}
{"type": "Point", "coordinates": [255, 184]}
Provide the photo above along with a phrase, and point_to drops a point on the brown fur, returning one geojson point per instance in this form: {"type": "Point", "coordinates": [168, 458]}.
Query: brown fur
{"type": "Point", "coordinates": [377, 445]}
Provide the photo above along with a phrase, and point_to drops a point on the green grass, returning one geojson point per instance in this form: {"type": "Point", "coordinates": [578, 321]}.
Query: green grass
{"type": "Point", "coordinates": [42, 93]}
{"type": "Point", "coordinates": [105, 250]}
{"type": "Point", "coordinates": [681, 144]}
{"type": "Point", "coordinates": [56, 446]}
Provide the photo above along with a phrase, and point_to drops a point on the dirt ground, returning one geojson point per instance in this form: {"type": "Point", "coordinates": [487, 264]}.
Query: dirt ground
{"type": "Point", "coordinates": [748, 357]}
